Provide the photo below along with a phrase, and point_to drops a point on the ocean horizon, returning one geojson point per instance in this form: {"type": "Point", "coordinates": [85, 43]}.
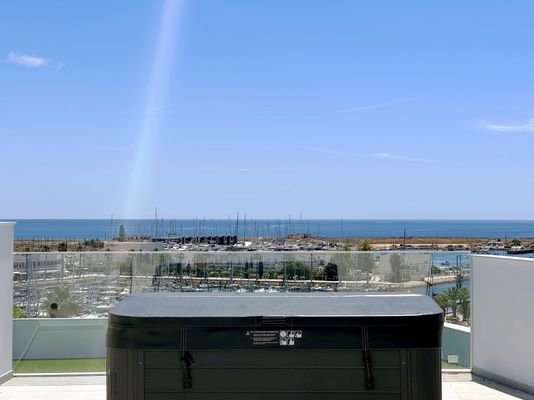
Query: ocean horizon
{"type": "Point", "coordinates": [104, 229]}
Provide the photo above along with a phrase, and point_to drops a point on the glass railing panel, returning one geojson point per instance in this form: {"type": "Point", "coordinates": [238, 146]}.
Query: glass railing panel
{"type": "Point", "coordinates": [89, 283]}
{"type": "Point", "coordinates": [85, 285]}
{"type": "Point", "coordinates": [66, 285]}
{"type": "Point", "coordinates": [59, 345]}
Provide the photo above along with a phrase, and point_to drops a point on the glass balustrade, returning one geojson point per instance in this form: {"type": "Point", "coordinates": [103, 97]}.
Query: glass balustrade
{"type": "Point", "coordinates": [61, 300]}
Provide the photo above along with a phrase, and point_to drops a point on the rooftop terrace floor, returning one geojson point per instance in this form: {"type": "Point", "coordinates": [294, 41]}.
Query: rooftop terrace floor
{"type": "Point", "coordinates": [459, 386]}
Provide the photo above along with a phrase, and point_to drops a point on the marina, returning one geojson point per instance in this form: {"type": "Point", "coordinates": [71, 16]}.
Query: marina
{"type": "Point", "coordinates": [88, 284]}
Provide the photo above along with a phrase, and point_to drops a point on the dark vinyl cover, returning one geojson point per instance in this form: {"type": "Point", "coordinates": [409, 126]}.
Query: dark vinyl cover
{"type": "Point", "coordinates": [332, 320]}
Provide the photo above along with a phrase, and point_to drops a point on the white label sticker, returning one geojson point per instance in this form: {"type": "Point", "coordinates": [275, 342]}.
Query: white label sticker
{"type": "Point", "coordinates": [282, 338]}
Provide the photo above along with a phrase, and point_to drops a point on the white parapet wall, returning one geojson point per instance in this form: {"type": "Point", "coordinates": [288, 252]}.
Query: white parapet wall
{"type": "Point", "coordinates": [502, 326]}
{"type": "Point", "coordinates": [6, 299]}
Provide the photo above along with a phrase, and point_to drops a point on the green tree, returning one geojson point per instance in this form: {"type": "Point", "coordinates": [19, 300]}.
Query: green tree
{"type": "Point", "coordinates": [349, 264]}
{"type": "Point", "coordinates": [516, 242]}
{"type": "Point", "coordinates": [18, 312]}
{"type": "Point", "coordinates": [442, 301]}
{"type": "Point", "coordinates": [62, 246]}
{"type": "Point", "coordinates": [330, 272]}
{"type": "Point", "coordinates": [296, 270]}
{"type": "Point", "coordinates": [318, 274]}
{"type": "Point", "coordinates": [464, 298]}
{"type": "Point", "coordinates": [452, 300]}
{"type": "Point", "coordinates": [122, 233]}
{"type": "Point", "coordinates": [63, 301]}
{"type": "Point", "coordinates": [272, 273]}
{"type": "Point", "coordinates": [94, 244]}
{"type": "Point", "coordinates": [455, 299]}
{"type": "Point", "coordinates": [364, 246]}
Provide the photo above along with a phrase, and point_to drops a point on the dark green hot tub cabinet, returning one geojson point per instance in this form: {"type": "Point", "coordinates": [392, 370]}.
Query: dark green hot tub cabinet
{"type": "Point", "coordinates": [274, 347]}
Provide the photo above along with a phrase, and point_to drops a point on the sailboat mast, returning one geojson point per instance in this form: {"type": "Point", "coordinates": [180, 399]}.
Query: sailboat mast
{"type": "Point", "coordinates": [237, 227]}
{"type": "Point", "coordinates": [156, 217]}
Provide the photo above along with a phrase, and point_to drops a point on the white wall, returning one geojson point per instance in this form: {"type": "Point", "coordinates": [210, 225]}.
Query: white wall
{"type": "Point", "coordinates": [502, 298]}
{"type": "Point", "coordinates": [6, 299]}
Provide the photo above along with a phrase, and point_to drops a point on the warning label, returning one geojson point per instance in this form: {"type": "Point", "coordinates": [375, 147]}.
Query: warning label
{"type": "Point", "coordinates": [287, 338]}
{"type": "Point", "coordinates": [282, 338]}
{"type": "Point", "coordinates": [263, 337]}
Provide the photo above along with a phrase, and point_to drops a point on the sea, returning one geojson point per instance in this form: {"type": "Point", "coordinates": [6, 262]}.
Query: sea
{"type": "Point", "coordinates": [104, 229]}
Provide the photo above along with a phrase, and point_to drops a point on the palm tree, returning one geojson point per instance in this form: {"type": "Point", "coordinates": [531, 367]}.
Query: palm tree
{"type": "Point", "coordinates": [455, 298]}
{"type": "Point", "coordinates": [452, 300]}
{"type": "Point", "coordinates": [61, 303]}
{"type": "Point", "coordinates": [465, 303]}
{"type": "Point", "coordinates": [441, 299]}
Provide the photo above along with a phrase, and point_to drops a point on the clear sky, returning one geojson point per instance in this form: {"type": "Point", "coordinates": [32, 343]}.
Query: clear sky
{"type": "Point", "coordinates": [329, 109]}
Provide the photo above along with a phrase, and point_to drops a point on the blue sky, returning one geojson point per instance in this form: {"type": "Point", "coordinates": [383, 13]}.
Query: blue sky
{"type": "Point", "coordinates": [329, 109]}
